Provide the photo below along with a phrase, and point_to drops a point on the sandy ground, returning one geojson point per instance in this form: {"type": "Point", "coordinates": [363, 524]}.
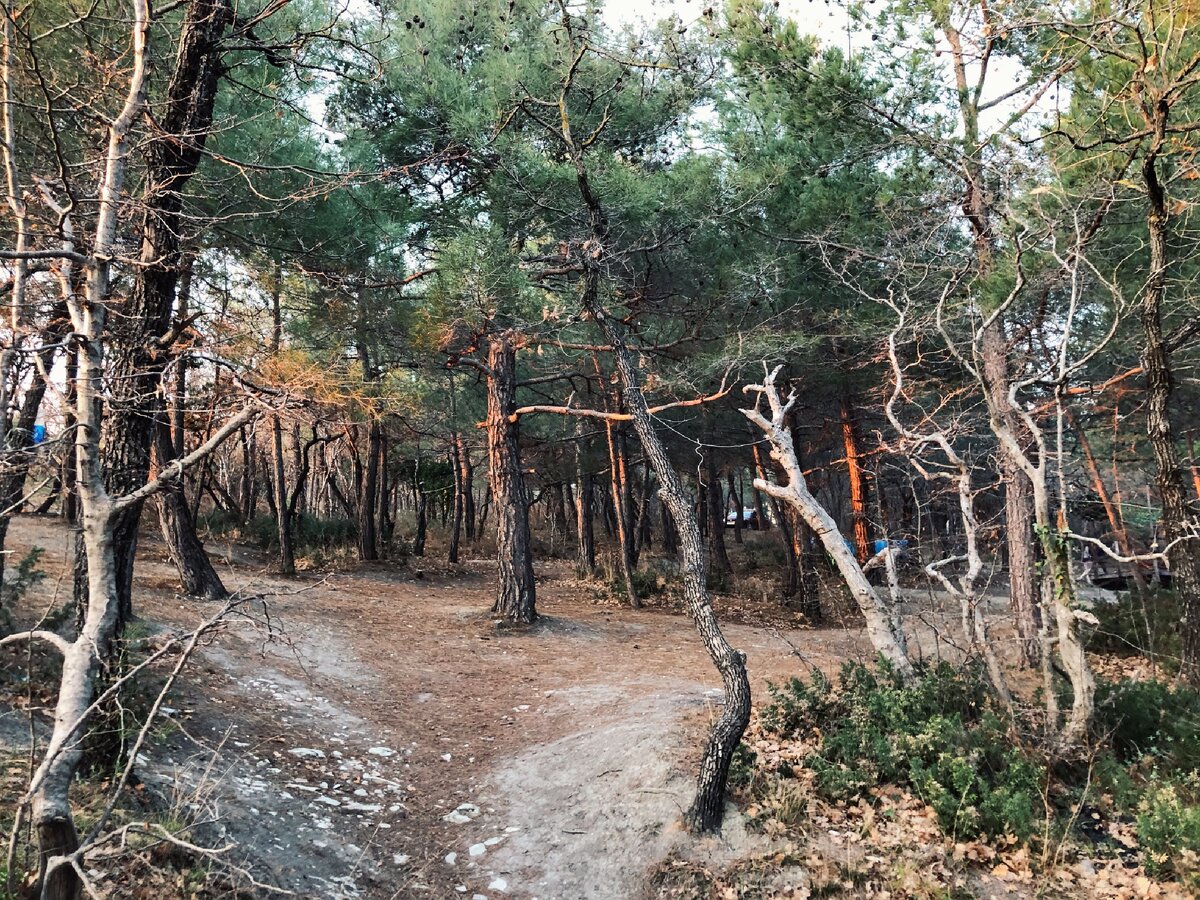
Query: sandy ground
{"type": "Point", "coordinates": [372, 733]}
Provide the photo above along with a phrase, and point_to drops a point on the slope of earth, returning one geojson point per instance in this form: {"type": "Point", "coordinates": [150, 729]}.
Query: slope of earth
{"type": "Point", "coordinates": [372, 733]}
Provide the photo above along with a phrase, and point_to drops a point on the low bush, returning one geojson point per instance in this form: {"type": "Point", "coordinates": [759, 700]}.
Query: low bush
{"type": "Point", "coordinates": [309, 532]}
{"type": "Point", "coordinates": [1168, 828]}
{"type": "Point", "coordinates": [1141, 625]}
{"type": "Point", "coordinates": [938, 735]}
{"type": "Point", "coordinates": [943, 738]}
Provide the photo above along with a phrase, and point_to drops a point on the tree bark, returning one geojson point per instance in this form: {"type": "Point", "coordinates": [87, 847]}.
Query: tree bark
{"type": "Point", "coordinates": [715, 509]}
{"type": "Point", "coordinates": [368, 541]}
{"type": "Point", "coordinates": [457, 522]}
{"type": "Point", "coordinates": [1179, 518]}
{"type": "Point", "coordinates": [707, 809]}
{"type": "Point", "coordinates": [852, 444]}
{"type": "Point", "coordinates": [882, 624]}
{"type": "Point", "coordinates": [619, 491]}
{"type": "Point", "coordinates": [1018, 499]}
{"type": "Point", "coordinates": [516, 593]}
{"type": "Point", "coordinates": [197, 576]}
{"type": "Point", "coordinates": [585, 557]}
{"type": "Point", "coordinates": [468, 488]}
{"type": "Point", "coordinates": [1116, 526]}
{"type": "Point", "coordinates": [134, 358]}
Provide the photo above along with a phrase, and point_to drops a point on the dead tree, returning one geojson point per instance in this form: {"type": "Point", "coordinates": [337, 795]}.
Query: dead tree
{"type": "Point", "coordinates": [882, 621]}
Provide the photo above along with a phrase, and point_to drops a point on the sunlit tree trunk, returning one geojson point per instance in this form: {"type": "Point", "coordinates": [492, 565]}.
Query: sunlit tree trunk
{"type": "Point", "coordinates": [516, 593]}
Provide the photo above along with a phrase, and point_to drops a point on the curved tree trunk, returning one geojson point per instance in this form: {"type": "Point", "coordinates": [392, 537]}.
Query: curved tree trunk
{"type": "Point", "coordinates": [197, 576]}
{"type": "Point", "coordinates": [882, 626]}
{"type": "Point", "coordinates": [516, 597]}
{"type": "Point", "coordinates": [707, 808]}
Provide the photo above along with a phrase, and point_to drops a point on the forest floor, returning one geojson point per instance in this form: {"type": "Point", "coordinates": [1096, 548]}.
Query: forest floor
{"type": "Point", "coordinates": [372, 732]}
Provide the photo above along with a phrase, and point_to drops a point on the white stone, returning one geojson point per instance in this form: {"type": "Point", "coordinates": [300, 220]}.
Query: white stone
{"type": "Point", "coordinates": [477, 850]}
{"type": "Point", "coordinates": [401, 859]}
{"type": "Point", "coordinates": [381, 751]}
{"type": "Point", "coordinates": [498, 884]}
{"type": "Point", "coordinates": [307, 753]}
{"type": "Point", "coordinates": [462, 814]}
{"type": "Point", "coordinates": [450, 858]}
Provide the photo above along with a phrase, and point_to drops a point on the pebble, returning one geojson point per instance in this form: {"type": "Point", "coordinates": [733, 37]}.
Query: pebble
{"type": "Point", "coordinates": [450, 858]}
{"type": "Point", "coordinates": [477, 850]}
{"type": "Point", "coordinates": [462, 814]}
{"type": "Point", "coordinates": [307, 753]}
{"type": "Point", "coordinates": [498, 884]}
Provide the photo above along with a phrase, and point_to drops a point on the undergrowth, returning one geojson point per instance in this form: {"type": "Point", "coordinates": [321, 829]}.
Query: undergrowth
{"type": "Point", "coordinates": [943, 739]}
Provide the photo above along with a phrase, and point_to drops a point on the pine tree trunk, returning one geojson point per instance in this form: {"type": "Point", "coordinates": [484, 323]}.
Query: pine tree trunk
{"type": "Point", "coordinates": [1116, 526]}
{"type": "Point", "coordinates": [516, 597]}
{"type": "Point", "coordinates": [422, 522]}
{"type": "Point", "coordinates": [1179, 517]}
{"type": "Point", "coordinates": [197, 576]}
{"type": "Point", "coordinates": [468, 489]}
{"type": "Point", "coordinates": [457, 523]}
{"type": "Point", "coordinates": [718, 557]}
{"type": "Point", "coordinates": [282, 510]}
{"type": "Point", "coordinates": [134, 361]}
{"type": "Point", "coordinates": [585, 557]}
{"type": "Point", "coordinates": [624, 550]}
{"type": "Point", "coordinates": [368, 541]}
{"type": "Point", "coordinates": [1018, 501]}
{"type": "Point", "coordinates": [851, 442]}
{"type": "Point", "coordinates": [707, 808]}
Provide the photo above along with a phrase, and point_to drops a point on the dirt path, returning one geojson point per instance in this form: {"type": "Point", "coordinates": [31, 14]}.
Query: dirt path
{"type": "Point", "coordinates": [388, 740]}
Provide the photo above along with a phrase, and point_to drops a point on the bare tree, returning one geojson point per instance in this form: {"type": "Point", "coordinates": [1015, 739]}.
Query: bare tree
{"type": "Point", "coordinates": [882, 619]}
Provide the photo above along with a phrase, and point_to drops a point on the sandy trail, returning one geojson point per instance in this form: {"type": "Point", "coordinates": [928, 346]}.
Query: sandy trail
{"type": "Point", "coordinates": [340, 748]}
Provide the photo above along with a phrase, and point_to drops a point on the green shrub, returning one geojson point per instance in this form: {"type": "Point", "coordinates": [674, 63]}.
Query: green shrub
{"type": "Point", "coordinates": [937, 735]}
{"type": "Point", "coordinates": [1150, 719]}
{"type": "Point", "coordinates": [219, 521]}
{"type": "Point", "coordinates": [1168, 828]}
{"type": "Point", "coordinates": [308, 533]}
{"type": "Point", "coordinates": [1140, 624]}
{"type": "Point", "coordinates": [18, 580]}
